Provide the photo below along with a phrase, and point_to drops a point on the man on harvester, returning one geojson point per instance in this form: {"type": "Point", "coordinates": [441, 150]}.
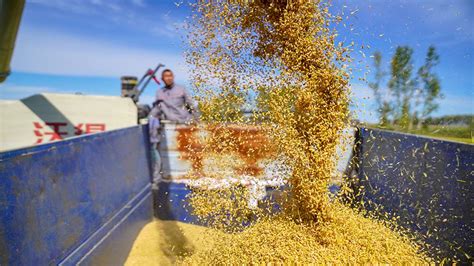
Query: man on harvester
{"type": "Point", "coordinates": [172, 103]}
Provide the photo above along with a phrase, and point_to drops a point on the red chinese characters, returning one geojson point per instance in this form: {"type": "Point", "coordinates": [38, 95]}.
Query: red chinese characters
{"type": "Point", "coordinates": [80, 129]}
{"type": "Point", "coordinates": [52, 131]}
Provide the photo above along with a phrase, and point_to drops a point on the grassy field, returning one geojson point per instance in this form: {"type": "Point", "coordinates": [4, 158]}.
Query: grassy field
{"type": "Point", "coordinates": [452, 133]}
{"type": "Point", "coordinates": [464, 140]}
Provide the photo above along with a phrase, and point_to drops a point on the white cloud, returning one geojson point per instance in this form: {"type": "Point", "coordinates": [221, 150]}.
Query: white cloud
{"type": "Point", "coordinates": [361, 91]}
{"type": "Point", "coordinates": [454, 104]}
{"type": "Point", "coordinates": [8, 91]}
{"type": "Point", "coordinates": [140, 3]}
{"type": "Point", "coordinates": [48, 52]}
{"type": "Point", "coordinates": [363, 107]}
{"type": "Point", "coordinates": [70, 6]}
{"type": "Point", "coordinates": [122, 13]}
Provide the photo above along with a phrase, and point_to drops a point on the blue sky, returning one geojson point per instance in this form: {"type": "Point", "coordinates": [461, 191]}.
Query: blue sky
{"type": "Point", "coordinates": [71, 46]}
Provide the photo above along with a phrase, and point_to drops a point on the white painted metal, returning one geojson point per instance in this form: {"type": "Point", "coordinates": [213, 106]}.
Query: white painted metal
{"type": "Point", "coordinates": [175, 166]}
{"type": "Point", "coordinates": [49, 117]}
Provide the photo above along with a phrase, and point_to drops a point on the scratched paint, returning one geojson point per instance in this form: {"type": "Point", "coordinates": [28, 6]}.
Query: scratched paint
{"type": "Point", "coordinates": [200, 151]}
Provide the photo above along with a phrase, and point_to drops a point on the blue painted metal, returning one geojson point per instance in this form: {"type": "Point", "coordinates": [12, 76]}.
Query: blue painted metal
{"type": "Point", "coordinates": [111, 243]}
{"type": "Point", "coordinates": [171, 202]}
{"type": "Point", "coordinates": [427, 182]}
{"type": "Point", "coordinates": [64, 202]}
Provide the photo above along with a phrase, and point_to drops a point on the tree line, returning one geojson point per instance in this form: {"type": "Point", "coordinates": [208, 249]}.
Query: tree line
{"type": "Point", "coordinates": [448, 120]}
{"type": "Point", "coordinates": [408, 98]}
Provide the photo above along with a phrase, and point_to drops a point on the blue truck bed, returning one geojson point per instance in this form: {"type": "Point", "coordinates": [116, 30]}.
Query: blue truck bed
{"type": "Point", "coordinates": [84, 200]}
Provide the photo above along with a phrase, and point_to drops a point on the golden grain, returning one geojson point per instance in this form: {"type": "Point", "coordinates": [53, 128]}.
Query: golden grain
{"type": "Point", "coordinates": [281, 59]}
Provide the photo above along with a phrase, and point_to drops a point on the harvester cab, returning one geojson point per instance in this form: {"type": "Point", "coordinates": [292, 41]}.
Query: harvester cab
{"type": "Point", "coordinates": [133, 88]}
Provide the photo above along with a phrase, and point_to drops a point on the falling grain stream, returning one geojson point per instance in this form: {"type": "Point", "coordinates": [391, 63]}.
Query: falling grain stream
{"type": "Point", "coordinates": [282, 59]}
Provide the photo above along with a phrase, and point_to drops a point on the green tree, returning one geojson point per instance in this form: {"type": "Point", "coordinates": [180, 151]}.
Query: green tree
{"type": "Point", "coordinates": [402, 85]}
{"type": "Point", "coordinates": [431, 90]}
{"type": "Point", "coordinates": [383, 107]}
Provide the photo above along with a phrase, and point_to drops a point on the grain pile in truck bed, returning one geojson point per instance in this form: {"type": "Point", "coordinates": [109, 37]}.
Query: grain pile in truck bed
{"type": "Point", "coordinates": [348, 238]}
{"type": "Point", "coordinates": [164, 242]}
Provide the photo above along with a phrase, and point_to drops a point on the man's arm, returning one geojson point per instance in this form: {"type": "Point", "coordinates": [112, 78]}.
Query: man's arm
{"type": "Point", "coordinates": [190, 103]}
{"type": "Point", "coordinates": [154, 122]}
{"type": "Point", "coordinates": [156, 111]}
{"type": "Point", "coordinates": [156, 108]}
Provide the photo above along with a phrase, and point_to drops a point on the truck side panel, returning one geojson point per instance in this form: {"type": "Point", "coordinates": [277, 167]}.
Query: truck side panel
{"type": "Point", "coordinates": [63, 202]}
{"type": "Point", "coordinates": [428, 183]}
